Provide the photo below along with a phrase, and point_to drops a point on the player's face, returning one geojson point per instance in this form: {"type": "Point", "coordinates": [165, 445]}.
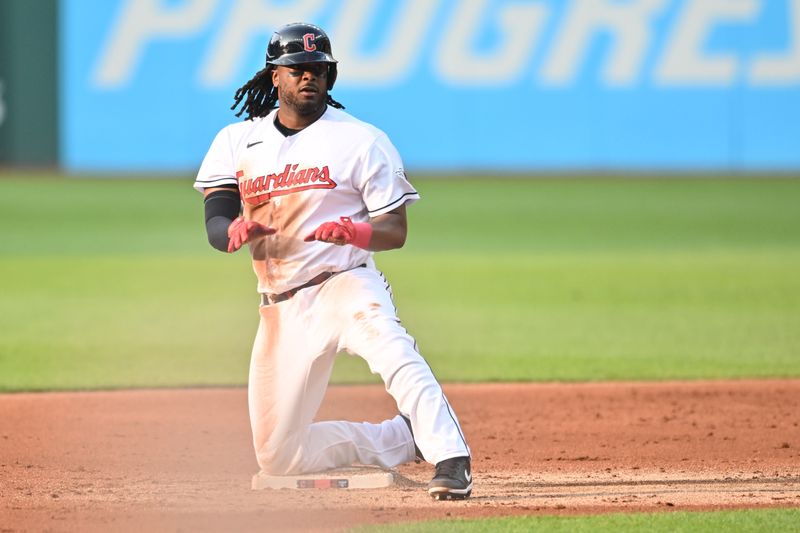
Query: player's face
{"type": "Point", "coordinates": [304, 87]}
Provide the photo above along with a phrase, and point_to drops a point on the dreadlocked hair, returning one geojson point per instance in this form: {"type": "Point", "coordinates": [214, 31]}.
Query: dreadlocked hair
{"type": "Point", "coordinates": [260, 96]}
{"type": "Point", "coordinates": [333, 103]}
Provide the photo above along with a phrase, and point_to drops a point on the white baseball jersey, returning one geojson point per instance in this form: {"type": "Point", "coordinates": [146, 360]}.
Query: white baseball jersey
{"type": "Point", "coordinates": [337, 166]}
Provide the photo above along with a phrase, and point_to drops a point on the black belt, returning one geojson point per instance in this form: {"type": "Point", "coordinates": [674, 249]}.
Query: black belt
{"type": "Point", "coordinates": [270, 299]}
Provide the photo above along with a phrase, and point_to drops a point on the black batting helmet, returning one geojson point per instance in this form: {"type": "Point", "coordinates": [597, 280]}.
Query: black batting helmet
{"type": "Point", "coordinates": [301, 43]}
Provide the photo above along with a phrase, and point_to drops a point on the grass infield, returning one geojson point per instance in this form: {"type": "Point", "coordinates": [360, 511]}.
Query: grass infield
{"type": "Point", "coordinates": [110, 283]}
{"type": "Point", "coordinates": [743, 521]}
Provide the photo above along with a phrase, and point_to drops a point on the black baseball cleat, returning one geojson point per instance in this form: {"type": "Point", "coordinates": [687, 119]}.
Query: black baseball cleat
{"type": "Point", "coordinates": [416, 448]}
{"type": "Point", "coordinates": [453, 480]}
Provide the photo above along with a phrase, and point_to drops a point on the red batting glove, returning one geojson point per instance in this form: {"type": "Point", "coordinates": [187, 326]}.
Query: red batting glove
{"type": "Point", "coordinates": [347, 232]}
{"type": "Point", "coordinates": [241, 231]}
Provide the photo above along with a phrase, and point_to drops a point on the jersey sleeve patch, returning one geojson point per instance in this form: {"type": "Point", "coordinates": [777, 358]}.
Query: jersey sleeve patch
{"type": "Point", "coordinates": [384, 184]}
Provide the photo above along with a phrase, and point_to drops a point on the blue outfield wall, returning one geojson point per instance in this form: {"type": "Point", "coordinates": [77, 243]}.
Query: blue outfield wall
{"type": "Point", "coordinates": [478, 85]}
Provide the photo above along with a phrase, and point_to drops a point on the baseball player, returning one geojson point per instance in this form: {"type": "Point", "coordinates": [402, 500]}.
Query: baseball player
{"type": "Point", "coordinates": [314, 192]}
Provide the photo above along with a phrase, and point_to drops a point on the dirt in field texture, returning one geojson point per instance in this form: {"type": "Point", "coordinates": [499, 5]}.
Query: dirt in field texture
{"type": "Point", "coordinates": [182, 459]}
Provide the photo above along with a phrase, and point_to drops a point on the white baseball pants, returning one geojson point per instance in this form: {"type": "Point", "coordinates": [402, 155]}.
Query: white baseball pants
{"type": "Point", "coordinates": [291, 363]}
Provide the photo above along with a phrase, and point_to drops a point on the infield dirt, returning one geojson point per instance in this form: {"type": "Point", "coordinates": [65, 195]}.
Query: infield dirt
{"type": "Point", "coordinates": [182, 459]}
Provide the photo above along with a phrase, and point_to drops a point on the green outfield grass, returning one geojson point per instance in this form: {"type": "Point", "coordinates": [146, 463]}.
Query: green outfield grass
{"type": "Point", "coordinates": [110, 283]}
{"type": "Point", "coordinates": [744, 521]}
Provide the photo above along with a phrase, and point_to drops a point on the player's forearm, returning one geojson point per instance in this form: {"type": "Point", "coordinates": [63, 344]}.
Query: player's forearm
{"type": "Point", "coordinates": [217, 232]}
{"type": "Point", "coordinates": [221, 208]}
{"type": "Point", "coordinates": [388, 231]}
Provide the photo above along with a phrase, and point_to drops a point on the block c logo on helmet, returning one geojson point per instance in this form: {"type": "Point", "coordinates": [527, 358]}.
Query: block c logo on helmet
{"type": "Point", "coordinates": [308, 42]}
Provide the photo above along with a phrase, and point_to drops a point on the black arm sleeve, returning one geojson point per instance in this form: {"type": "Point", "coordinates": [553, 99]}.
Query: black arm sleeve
{"type": "Point", "coordinates": [221, 208]}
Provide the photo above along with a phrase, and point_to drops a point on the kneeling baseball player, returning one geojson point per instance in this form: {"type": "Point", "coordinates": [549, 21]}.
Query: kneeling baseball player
{"type": "Point", "coordinates": [314, 192]}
